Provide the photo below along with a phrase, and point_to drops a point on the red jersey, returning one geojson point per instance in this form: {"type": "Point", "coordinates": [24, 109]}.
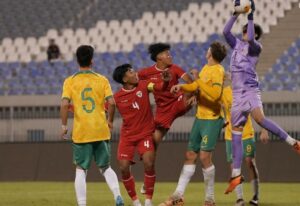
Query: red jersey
{"type": "Point", "coordinates": [135, 109]}
{"type": "Point", "coordinates": [164, 98]}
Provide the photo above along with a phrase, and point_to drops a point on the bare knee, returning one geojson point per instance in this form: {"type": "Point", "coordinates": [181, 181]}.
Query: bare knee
{"type": "Point", "coordinates": [205, 158]}
{"type": "Point", "coordinates": [124, 167]}
{"type": "Point", "coordinates": [149, 163]}
{"type": "Point", "coordinates": [158, 135]}
{"type": "Point", "coordinates": [190, 157]}
{"type": "Point", "coordinates": [258, 115]}
{"type": "Point", "coordinates": [249, 163]}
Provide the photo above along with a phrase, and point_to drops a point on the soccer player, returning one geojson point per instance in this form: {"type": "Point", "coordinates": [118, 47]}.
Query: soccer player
{"type": "Point", "coordinates": [207, 125]}
{"type": "Point", "coordinates": [137, 130]}
{"type": "Point", "coordinates": [248, 145]}
{"type": "Point", "coordinates": [246, 93]}
{"type": "Point", "coordinates": [88, 91]}
{"type": "Point", "coordinates": [168, 106]}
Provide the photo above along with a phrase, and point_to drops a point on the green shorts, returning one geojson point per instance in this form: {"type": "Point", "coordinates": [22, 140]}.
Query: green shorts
{"type": "Point", "coordinates": [83, 154]}
{"type": "Point", "coordinates": [248, 145]}
{"type": "Point", "coordinates": [204, 134]}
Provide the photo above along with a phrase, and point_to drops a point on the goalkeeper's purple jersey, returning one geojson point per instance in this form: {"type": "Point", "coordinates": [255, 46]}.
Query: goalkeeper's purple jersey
{"type": "Point", "coordinates": [244, 58]}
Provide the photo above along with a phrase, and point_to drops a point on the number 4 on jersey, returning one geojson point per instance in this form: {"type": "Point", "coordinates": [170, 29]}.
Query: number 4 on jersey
{"type": "Point", "coordinates": [135, 105]}
{"type": "Point", "coordinates": [147, 144]}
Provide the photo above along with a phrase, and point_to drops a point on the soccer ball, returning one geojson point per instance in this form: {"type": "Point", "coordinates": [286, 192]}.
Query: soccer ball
{"type": "Point", "coordinates": [244, 7]}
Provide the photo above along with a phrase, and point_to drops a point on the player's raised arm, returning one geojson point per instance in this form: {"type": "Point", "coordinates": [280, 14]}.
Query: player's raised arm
{"type": "Point", "coordinates": [214, 91]}
{"type": "Point", "coordinates": [253, 32]}
{"type": "Point", "coordinates": [229, 37]}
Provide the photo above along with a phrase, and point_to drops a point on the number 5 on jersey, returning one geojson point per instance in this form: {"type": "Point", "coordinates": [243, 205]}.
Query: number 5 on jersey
{"type": "Point", "coordinates": [135, 105]}
{"type": "Point", "coordinates": [85, 97]}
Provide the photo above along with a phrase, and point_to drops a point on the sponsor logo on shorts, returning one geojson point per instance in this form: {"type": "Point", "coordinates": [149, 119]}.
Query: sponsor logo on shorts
{"type": "Point", "coordinates": [123, 155]}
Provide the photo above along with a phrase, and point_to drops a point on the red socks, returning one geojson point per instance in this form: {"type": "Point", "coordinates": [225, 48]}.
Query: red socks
{"type": "Point", "coordinates": [149, 181]}
{"type": "Point", "coordinates": [130, 187]}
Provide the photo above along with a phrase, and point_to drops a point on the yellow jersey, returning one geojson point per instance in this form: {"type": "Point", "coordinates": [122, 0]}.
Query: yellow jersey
{"type": "Point", "coordinates": [88, 91]}
{"type": "Point", "coordinates": [210, 76]}
{"type": "Point", "coordinates": [248, 131]}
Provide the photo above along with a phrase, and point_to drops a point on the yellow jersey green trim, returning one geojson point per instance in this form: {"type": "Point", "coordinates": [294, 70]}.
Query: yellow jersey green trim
{"type": "Point", "coordinates": [84, 72]}
{"type": "Point", "coordinates": [218, 84]}
{"type": "Point", "coordinates": [110, 96]}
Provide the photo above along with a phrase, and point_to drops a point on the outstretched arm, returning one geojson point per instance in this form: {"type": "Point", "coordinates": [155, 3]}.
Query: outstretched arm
{"type": "Point", "coordinates": [230, 39]}
{"type": "Point", "coordinates": [214, 91]}
{"type": "Point", "coordinates": [254, 46]}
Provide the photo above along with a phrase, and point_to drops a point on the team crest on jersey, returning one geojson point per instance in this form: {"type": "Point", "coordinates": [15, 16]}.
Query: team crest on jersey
{"type": "Point", "coordinates": [139, 94]}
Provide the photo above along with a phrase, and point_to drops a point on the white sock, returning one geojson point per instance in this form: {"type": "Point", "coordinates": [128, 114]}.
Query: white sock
{"type": "Point", "coordinates": [236, 172]}
{"type": "Point", "coordinates": [80, 187]}
{"type": "Point", "coordinates": [291, 141]}
{"type": "Point", "coordinates": [186, 174]}
{"type": "Point", "coordinates": [112, 181]}
{"type": "Point", "coordinates": [136, 202]}
{"type": "Point", "coordinates": [239, 191]}
{"type": "Point", "coordinates": [209, 181]}
{"type": "Point", "coordinates": [255, 186]}
{"type": "Point", "coordinates": [148, 202]}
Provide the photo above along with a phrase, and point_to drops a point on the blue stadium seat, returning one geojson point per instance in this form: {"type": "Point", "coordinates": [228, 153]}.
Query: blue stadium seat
{"type": "Point", "coordinates": [291, 86]}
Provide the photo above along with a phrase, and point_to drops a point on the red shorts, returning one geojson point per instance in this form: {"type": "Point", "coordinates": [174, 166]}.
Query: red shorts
{"type": "Point", "coordinates": [164, 117]}
{"type": "Point", "coordinates": [127, 148]}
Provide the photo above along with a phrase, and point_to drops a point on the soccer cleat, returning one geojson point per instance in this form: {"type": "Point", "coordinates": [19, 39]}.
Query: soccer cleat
{"type": "Point", "coordinates": [296, 147]}
{"type": "Point", "coordinates": [143, 191]}
{"type": "Point", "coordinates": [174, 200]}
{"type": "Point", "coordinates": [136, 203]}
{"type": "Point", "coordinates": [240, 202]}
{"type": "Point", "coordinates": [148, 202]}
{"type": "Point", "coordinates": [254, 201]}
{"type": "Point", "coordinates": [234, 181]}
{"type": "Point", "coordinates": [209, 203]}
{"type": "Point", "coordinates": [119, 201]}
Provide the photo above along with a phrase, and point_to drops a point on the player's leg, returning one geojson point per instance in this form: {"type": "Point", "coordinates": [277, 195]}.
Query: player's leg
{"type": "Point", "coordinates": [189, 166]}
{"type": "Point", "coordinates": [101, 152]}
{"type": "Point", "coordinates": [249, 153]}
{"type": "Point", "coordinates": [191, 155]}
{"type": "Point", "coordinates": [159, 133]}
{"type": "Point", "coordinates": [186, 174]}
{"type": "Point", "coordinates": [149, 176]}
{"type": "Point", "coordinates": [239, 189]}
{"type": "Point", "coordinates": [146, 149]}
{"type": "Point", "coordinates": [258, 115]}
{"type": "Point", "coordinates": [238, 119]}
{"type": "Point", "coordinates": [82, 156]}
{"type": "Point", "coordinates": [210, 132]}
{"type": "Point", "coordinates": [165, 117]}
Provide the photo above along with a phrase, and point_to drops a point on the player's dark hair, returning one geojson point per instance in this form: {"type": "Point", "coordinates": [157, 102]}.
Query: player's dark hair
{"type": "Point", "coordinates": [155, 49]}
{"type": "Point", "coordinates": [120, 71]}
{"type": "Point", "coordinates": [84, 54]}
{"type": "Point", "coordinates": [257, 30]}
{"type": "Point", "coordinates": [218, 51]}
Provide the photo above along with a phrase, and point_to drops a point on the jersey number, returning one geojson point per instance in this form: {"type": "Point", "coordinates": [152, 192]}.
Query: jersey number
{"type": "Point", "coordinates": [147, 144]}
{"type": "Point", "coordinates": [135, 105]}
{"type": "Point", "coordinates": [89, 99]}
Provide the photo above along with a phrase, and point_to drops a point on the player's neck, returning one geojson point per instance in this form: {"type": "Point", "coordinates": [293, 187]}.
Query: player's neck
{"type": "Point", "coordinates": [161, 66]}
{"type": "Point", "coordinates": [212, 62]}
{"type": "Point", "coordinates": [85, 68]}
{"type": "Point", "coordinates": [129, 86]}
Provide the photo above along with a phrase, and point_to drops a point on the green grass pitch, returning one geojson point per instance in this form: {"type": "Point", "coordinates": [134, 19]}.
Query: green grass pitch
{"type": "Point", "coordinates": [62, 194]}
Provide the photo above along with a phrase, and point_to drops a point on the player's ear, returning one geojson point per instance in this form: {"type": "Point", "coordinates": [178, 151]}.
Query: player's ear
{"type": "Point", "coordinates": [125, 79]}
